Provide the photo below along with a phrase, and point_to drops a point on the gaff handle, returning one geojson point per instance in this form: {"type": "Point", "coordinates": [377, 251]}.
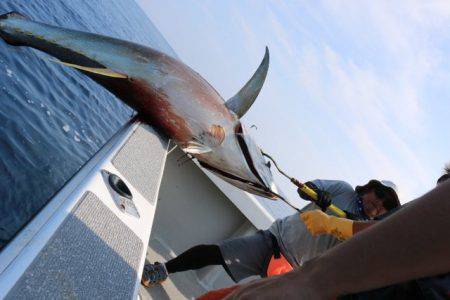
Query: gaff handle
{"type": "Point", "coordinates": [310, 192]}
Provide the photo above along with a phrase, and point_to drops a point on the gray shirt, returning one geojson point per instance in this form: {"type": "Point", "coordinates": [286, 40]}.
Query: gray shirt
{"type": "Point", "coordinates": [294, 239]}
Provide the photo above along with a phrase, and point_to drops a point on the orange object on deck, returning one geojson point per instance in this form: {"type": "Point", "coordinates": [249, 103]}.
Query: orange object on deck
{"type": "Point", "coordinates": [278, 266]}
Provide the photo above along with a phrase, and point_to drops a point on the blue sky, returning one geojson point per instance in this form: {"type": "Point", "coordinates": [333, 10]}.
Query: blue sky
{"type": "Point", "coordinates": [356, 90]}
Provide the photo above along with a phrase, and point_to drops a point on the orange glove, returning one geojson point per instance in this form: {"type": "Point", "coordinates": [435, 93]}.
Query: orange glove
{"type": "Point", "coordinates": [319, 222]}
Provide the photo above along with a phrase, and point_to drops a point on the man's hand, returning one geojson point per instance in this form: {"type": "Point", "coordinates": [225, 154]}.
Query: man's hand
{"type": "Point", "coordinates": [318, 223]}
{"type": "Point", "coordinates": [323, 198]}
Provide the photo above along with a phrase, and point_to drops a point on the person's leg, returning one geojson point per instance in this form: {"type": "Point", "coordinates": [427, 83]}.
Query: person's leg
{"type": "Point", "coordinates": [195, 258]}
{"type": "Point", "coordinates": [247, 256]}
{"type": "Point", "coordinates": [241, 257]}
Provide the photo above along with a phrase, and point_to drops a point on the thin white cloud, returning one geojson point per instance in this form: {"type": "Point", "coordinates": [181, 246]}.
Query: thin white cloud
{"type": "Point", "coordinates": [365, 105]}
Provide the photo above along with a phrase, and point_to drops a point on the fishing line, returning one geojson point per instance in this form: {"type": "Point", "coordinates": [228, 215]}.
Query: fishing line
{"type": "Point", "coordinates": [276, 165]}
{"type": "Point", "coordinates": [284, 174]}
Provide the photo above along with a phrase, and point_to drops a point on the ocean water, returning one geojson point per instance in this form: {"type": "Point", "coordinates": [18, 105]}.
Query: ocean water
{"type": "Point", "coordinates": [52, 118]}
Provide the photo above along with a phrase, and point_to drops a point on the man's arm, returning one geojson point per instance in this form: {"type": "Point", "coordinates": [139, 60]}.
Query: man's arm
{"type": "Point", "coordinates": [410, 244]}
{"type": "Point", "coordinates": [325, 190]}
{"type": "Point", "coordinates": [333, 187]}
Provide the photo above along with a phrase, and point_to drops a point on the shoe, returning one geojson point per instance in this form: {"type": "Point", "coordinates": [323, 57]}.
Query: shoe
{"type": "Point", "coordinates": [153, 274]}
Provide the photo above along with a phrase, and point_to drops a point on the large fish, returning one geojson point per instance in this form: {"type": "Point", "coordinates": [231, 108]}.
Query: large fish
{"type": "Point", "coordinates": [165, 92]}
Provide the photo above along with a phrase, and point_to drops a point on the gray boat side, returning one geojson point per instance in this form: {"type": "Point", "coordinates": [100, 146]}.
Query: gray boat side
{"type": "Point", "coordinates": [87, 242]}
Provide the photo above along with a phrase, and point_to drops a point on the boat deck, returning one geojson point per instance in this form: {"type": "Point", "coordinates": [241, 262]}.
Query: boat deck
{"type": "Point", "coordinates": [191, 210]}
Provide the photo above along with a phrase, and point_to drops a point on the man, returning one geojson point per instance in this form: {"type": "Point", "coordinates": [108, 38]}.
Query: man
{"type": "Point", "coordinates": [412, 243]}
{"type": "Point", "coordinates": [243, 257]}
{"type": "Point", "coordinates": [319, 223]}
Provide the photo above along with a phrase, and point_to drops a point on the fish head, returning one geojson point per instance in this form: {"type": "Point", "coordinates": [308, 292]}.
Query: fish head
{"type": "Point", "coordinates": [239, 161]}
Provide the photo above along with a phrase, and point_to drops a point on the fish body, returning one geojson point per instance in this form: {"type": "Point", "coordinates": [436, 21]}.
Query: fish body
{"type": "Point", "coordinates": [165, 92]}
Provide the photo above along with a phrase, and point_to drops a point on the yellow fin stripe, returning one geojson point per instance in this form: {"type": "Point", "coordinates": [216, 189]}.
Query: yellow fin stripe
{"type": "Point", "coordinates": [100, 71]}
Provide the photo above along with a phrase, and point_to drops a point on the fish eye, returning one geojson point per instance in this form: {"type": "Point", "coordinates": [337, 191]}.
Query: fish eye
{"type": "Point", "coordinates": [238, 129]}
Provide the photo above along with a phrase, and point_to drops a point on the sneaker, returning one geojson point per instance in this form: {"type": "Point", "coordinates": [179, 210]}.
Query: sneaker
{"type": "Point", "coordinates": [153, 274]}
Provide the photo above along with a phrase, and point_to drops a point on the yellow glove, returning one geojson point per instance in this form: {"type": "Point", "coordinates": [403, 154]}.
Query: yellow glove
{"type": "Point", "coordinates": [319, 222]}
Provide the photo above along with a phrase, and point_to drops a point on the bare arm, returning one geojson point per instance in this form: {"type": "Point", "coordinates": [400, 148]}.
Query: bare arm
{"type": "Point", "coordinates": [359, 226]}
{"type": "Point", "coordinates": [410, 244]}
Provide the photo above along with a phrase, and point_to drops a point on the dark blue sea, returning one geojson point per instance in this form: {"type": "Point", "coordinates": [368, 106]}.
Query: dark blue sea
{"type": "Point", "coordinates": [52, 118]}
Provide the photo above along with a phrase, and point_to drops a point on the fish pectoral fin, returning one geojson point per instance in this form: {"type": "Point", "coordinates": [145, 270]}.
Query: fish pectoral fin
{"type": "Point", "coordinates": [215, 136]}
{"type": "Point", "coordinates": [99, 71]}
{"type": "Point", "coordinates": [193, 147]}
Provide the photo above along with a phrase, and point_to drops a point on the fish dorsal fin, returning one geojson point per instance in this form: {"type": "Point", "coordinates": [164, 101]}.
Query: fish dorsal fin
{"type": "Point", "coordinates": [243, 100]}
{"type": "Point", "coordinates": [99, 71]}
